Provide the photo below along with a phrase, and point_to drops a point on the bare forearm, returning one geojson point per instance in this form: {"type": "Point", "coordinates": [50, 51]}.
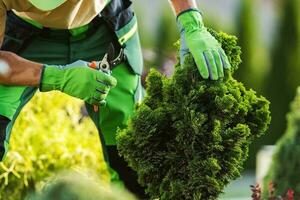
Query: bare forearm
{"type": "Point", "coordinates": [18, 71]}
{"type": "Point", "coordinates": [182, 5]}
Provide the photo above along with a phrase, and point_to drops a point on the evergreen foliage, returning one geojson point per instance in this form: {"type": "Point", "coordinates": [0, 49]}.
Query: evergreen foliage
{"type": "Point", "coordinates": [284, 170]}
{"type": "Point", "coordinates": [190, 136]}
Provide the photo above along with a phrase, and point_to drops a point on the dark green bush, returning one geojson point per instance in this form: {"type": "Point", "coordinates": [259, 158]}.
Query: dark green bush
{"type": "Point", "coordinates": [284, 171]}
{"type": "Point", "coordinates": [190, 136]}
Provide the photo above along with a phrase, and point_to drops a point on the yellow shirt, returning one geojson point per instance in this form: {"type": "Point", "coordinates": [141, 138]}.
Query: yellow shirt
{"type": "Point", "coordinates": [71, 14]}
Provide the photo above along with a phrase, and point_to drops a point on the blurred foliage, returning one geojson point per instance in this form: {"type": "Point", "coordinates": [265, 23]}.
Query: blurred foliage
{"type": "Point", "coordinates": [284, 76]}
{"type": "Point", "coordinates": [167, 35]}
{"type": "Point", "coordinates": [158, 32]}
{"type": "Point", "coordinates": [190, 137]}
{"type": "Point", "coordinates": [78, 186]}
{"type": "Point", "coordinates": [254, 67]}
{"type": "Point", "coordinates": [284, 170]}
{"type": "Point", "coordinates": [50, 135]}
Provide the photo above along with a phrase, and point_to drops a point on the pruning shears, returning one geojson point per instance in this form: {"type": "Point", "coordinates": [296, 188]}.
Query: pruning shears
{"type": "Point", "coordinates": [108, 62]}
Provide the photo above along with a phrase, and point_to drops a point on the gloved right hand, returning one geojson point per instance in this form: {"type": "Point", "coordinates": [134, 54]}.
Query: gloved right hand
{"type": "Point", "coordinates": [207, 52]}
{"type": "Point", "coordinates": [77, 80]}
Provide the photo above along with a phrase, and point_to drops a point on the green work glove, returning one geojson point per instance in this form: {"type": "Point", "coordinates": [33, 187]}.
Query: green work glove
{"type": "Point", "coordinates": [208, 54]}
{"type": "Point", "coordinates": [78, 80]}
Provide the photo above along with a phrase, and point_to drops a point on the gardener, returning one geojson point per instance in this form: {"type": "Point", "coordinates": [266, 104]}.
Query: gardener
{"type": "Point", "coordinates": [39, 38]}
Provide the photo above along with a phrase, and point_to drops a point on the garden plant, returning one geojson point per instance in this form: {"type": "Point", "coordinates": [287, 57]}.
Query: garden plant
{"type": "Point", "coordinates": [50, 135]}
{"type": "Point", "coordinates": [270, 193]}
{"type": "Point", "coordinates": [284, 170]}
{"type": "Point", "coordinates": [190, 136]}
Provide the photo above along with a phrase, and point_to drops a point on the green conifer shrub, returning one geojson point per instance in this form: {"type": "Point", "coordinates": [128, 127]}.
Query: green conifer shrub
{"type": "Point", "coordinates": [284, 170]}
{"type": "Point", "coordinates": [190, 137]}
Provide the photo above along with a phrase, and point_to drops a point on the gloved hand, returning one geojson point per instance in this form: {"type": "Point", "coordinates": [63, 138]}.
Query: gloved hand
{"type": "Point", "coordinates": [209, 57]}
{"type": "Point", "coordinates": [78, 80]}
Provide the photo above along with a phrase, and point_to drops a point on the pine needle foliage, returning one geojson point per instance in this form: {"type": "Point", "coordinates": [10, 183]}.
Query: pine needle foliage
{"type": "Point", "coordinates": [190, 137]}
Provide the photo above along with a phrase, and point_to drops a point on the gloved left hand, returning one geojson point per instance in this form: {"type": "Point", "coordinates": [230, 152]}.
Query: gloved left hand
{"type": "Point", "coordinates": [78, 80]}
{"type": "Point", "coordinates": [209, 57]}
